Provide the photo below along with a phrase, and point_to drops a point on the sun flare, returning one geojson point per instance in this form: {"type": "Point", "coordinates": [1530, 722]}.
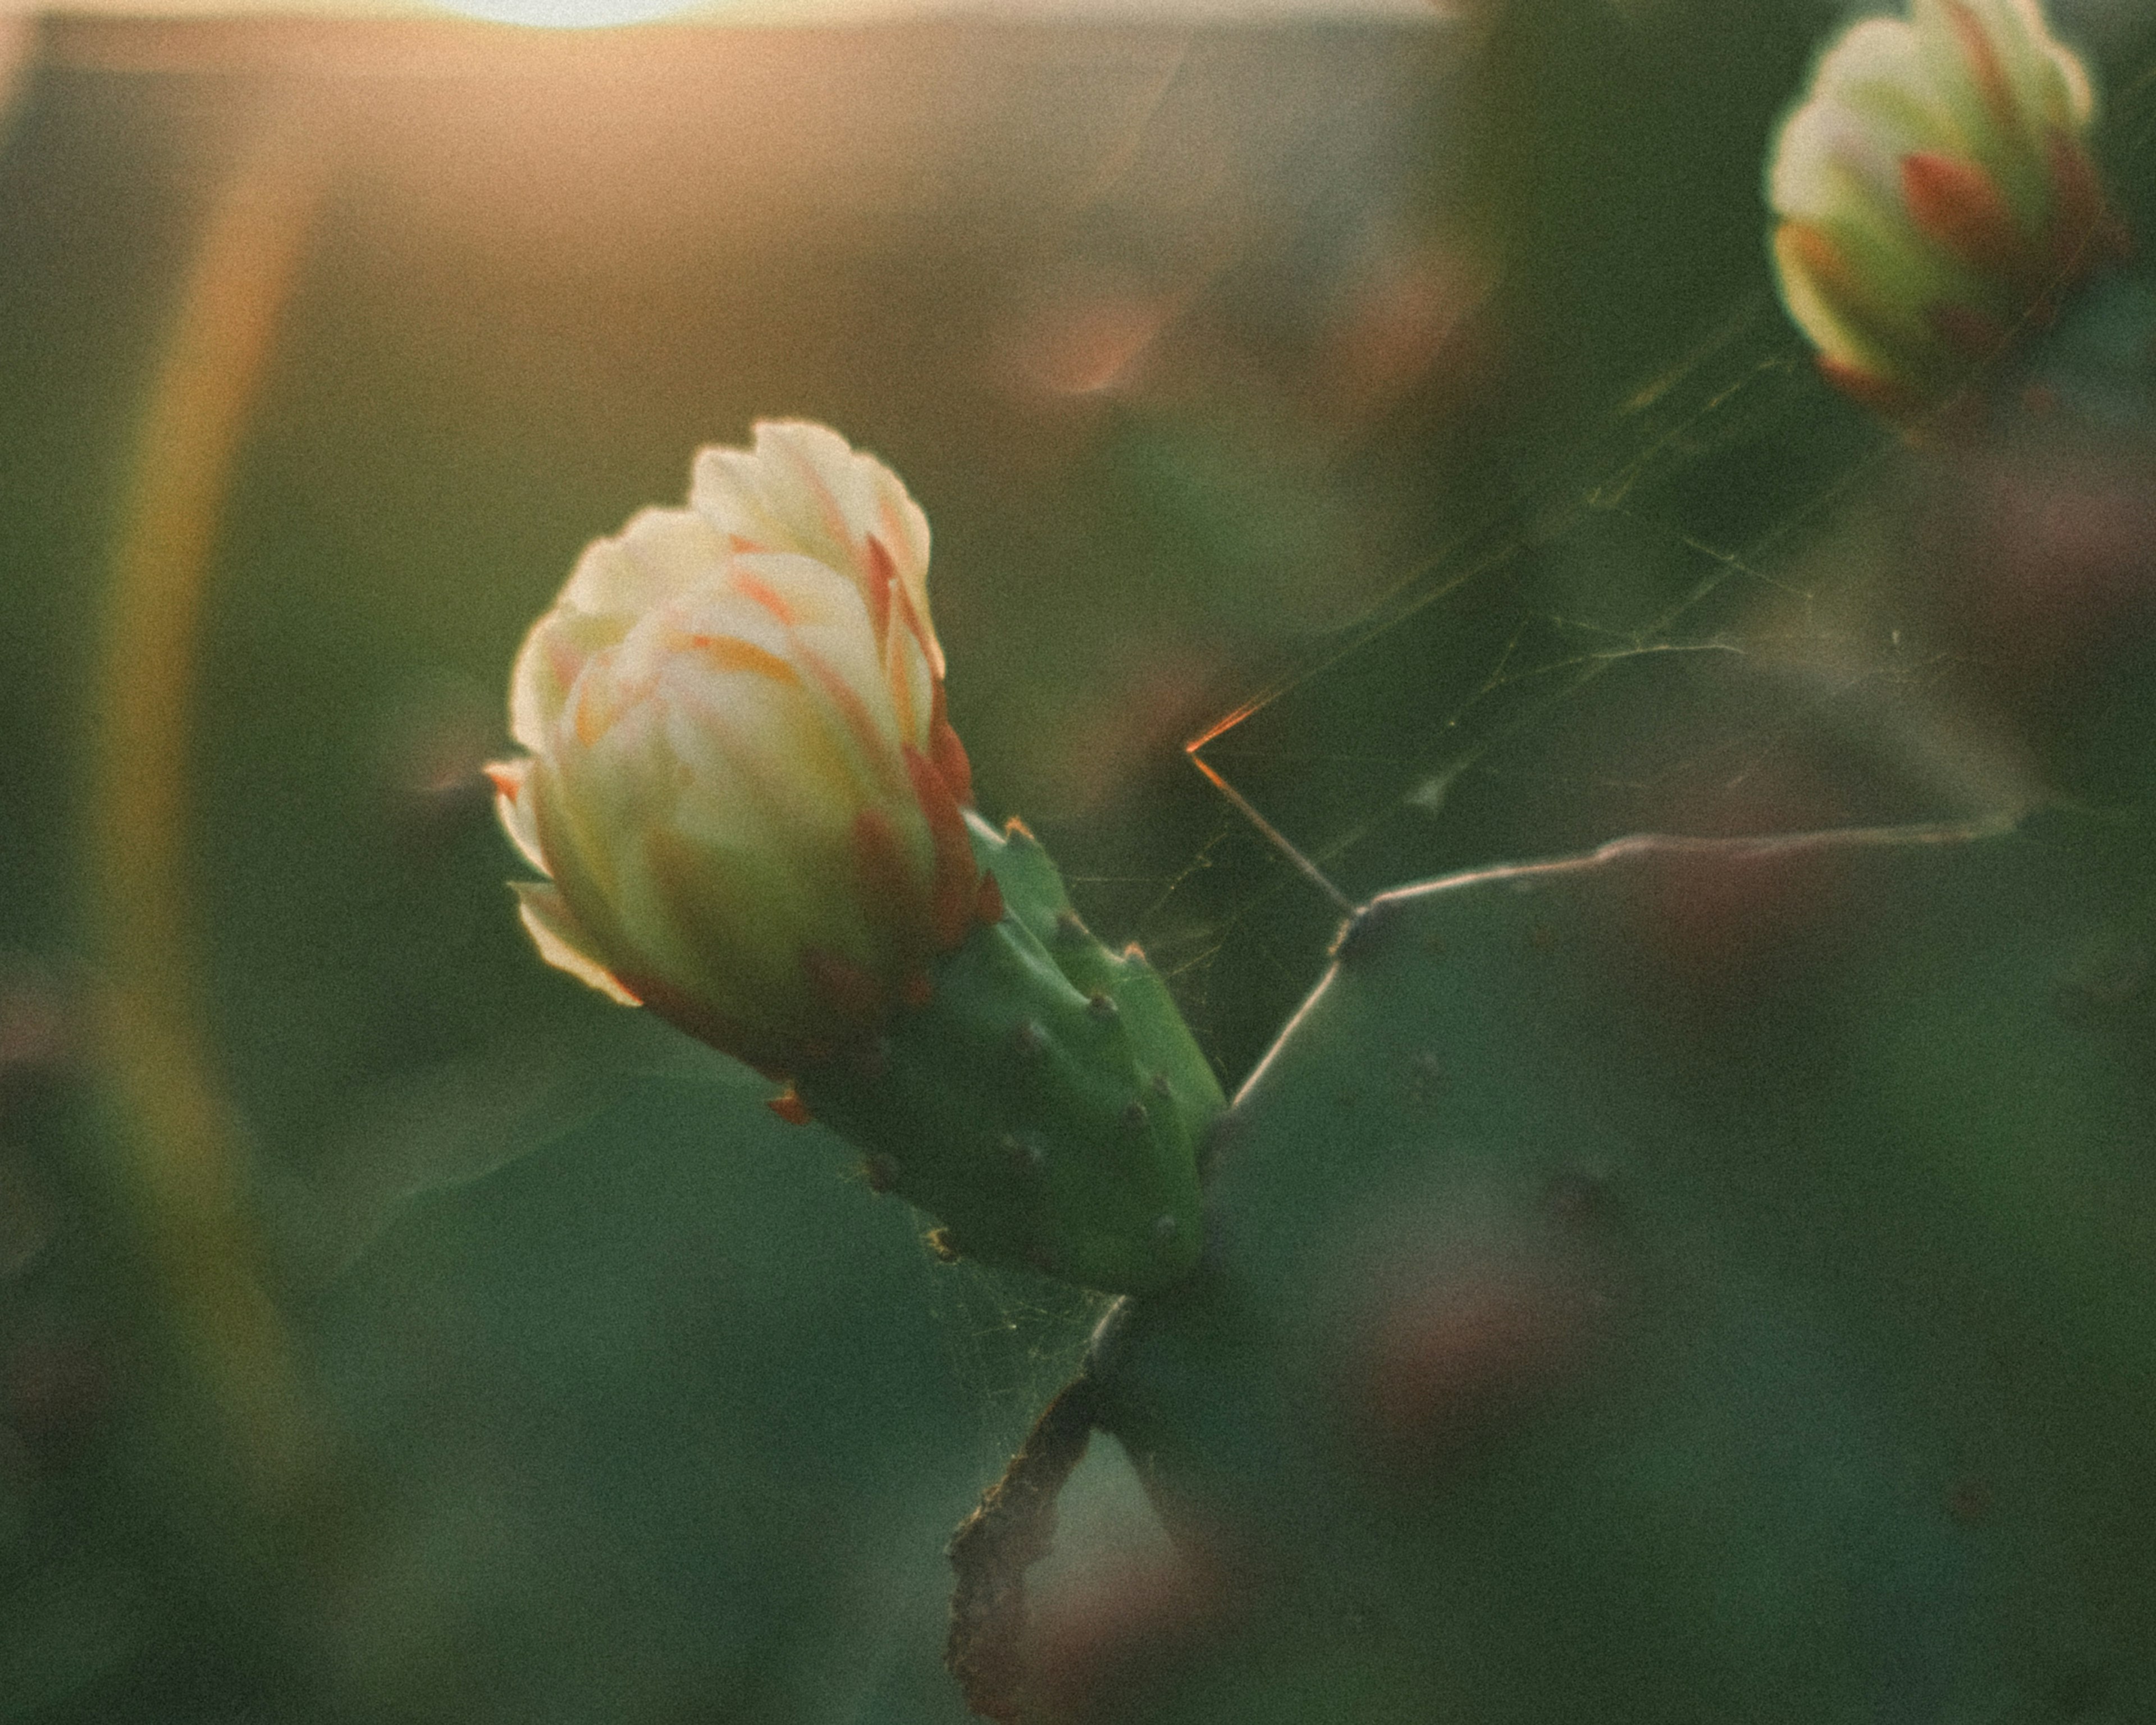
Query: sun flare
{"type": "Point", "coordinates": [569, 15]}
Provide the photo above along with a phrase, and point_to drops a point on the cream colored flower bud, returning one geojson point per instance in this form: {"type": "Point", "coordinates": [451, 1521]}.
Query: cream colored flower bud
{"type": "Point", "coordinates": [1934, 190]}
{"type": "Point", "coordinates": [740, 780]}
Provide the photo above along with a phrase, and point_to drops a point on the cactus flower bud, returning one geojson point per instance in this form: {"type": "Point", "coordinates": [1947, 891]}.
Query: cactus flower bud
{"type": "Point", "coordinates": [1934, 189]}
{"type": "Point", "coordinates": [741, 781]}
{"type": "Point", "coordinates": [753, 816]}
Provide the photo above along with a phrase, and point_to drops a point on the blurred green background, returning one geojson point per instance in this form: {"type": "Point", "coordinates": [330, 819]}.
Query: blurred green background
{"type": "Point", "coordinates": [481, 1352]}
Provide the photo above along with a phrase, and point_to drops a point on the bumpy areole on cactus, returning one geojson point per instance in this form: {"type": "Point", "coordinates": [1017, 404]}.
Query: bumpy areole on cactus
{"type": "Point", "coordinates": [1934, 190]}
{"type": "Point", "coordinates": [754, 818]}
{"type": "Point", "coordinates": [1048, 1105]}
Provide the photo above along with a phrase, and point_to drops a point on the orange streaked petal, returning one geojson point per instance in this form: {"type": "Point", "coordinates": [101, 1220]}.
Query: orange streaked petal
{"type": "Point", "coordinates": [749, 586]}
{"type": "Point", "coordinates": [730, 653]}
{"type": "Point", "coordinates": [947, 754]}
{"type": "Point", "coordinates": [903, 527]}
{"type": "Point", "coordinates": [565, 657]}
{"type": "Point", "coordinates": [1961, 207]}
{"type": "Point", "coordinates": [948, 757]}
{"type": "Point", "coordinates": [881, 575]}
{"type": "Point", "coordinates": [1982, 55]}
{"type": "Point", "coordinates": [1880, 394]}
{"type": "Point", "coordinates": [518, 818]}
{"type": "Point", "coordinates": [1820, 258]}
{"type": "Point", "coordinates": [819, 460]}
{"type": "Point", "coordinates": [911, 618]}
{"type": "Point", "coordinates": [954, 893]}
{"type": "Point", "coordinates": [924, 638]}
{"type": "Point", "coordinates": [790, 1108]}
{"type": "Point", "coordinates": [596, 703]}
{"type": "Point", "coordinates": [854, 711]}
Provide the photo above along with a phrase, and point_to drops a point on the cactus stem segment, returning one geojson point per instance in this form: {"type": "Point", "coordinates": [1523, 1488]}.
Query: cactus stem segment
{"type": "Point", "coordinates": [1045, 1100]}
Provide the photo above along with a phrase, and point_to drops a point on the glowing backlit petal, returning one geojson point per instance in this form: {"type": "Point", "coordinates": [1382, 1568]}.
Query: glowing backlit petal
{"type": "Point", "coordinates": [804, 489]}
{"type": "Point", "coordinates": [561, 942]}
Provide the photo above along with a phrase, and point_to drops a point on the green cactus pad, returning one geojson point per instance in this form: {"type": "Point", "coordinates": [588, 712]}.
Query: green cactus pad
{"type": "Point", "coordinates": [1047, 1105]}
{"type": "Point", "coordinates": [1702, 1281]}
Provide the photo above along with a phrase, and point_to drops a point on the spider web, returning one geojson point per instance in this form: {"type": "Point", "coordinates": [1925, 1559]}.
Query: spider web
{"type": "Point", "coordinates": [1650, 585]}
{"type": "Point", "coordinates": [1690, 606]}
{"type": "Point", "coordinates": [1666, 598]}
{"type": "Point", "coordinates": [1698, 609]}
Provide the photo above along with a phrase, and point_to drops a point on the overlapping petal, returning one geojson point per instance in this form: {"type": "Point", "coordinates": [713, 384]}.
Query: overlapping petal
{"type": "Point", "coordinates": [804, 489]}
{"type": "Point", "coordinates": [741, 782]}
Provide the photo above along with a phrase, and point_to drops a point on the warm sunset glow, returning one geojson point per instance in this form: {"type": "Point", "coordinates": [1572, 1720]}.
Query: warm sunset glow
{"type": "Point", "coordinates": [570, 14]}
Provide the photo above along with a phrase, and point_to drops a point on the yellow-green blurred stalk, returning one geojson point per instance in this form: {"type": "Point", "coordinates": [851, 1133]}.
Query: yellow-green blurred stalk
{"type": "Point", "coordinates": [181, 1167]}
